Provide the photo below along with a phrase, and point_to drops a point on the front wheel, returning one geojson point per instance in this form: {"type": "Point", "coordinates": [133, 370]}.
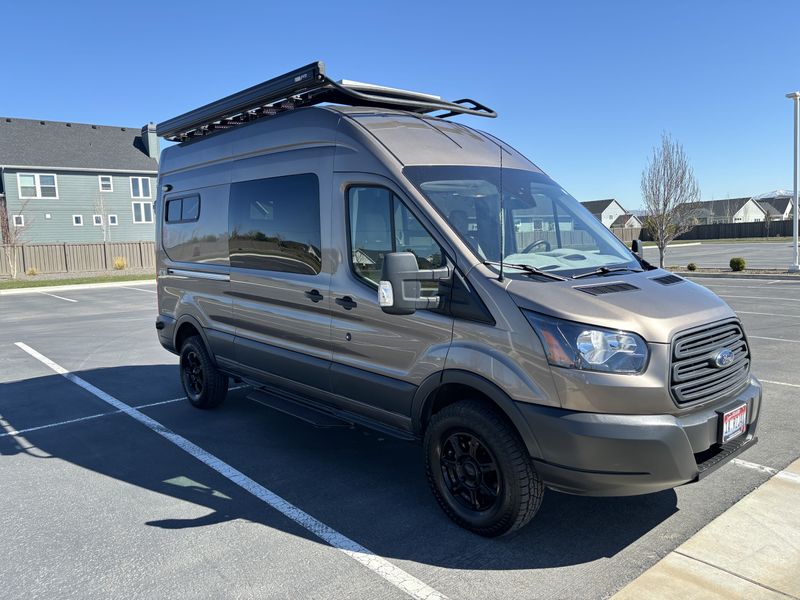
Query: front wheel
{"type": "Point", "coordinates": [479, 469]}
{"type": "Point", "coordinates": [204, 385]}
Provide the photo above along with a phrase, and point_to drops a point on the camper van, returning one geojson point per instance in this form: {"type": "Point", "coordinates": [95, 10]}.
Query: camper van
{"type": "Point", "coordinates": [358, 256]}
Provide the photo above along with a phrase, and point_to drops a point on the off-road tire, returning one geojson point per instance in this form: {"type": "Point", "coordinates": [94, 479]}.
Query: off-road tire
{"type": "Point", "coordinates": [204, 385]}
{"type": "Point", "coordinates": [520, 488]}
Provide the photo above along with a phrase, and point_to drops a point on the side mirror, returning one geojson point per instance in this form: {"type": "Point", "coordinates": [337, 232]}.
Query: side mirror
{"type": "Point", "coordinates": [637, 248]}
{"type": "Point", "coordinates": [399, 292]}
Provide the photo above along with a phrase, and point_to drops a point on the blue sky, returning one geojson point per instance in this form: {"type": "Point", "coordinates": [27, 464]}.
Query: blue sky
{"type": "Point", "coordinates": [584, 89]}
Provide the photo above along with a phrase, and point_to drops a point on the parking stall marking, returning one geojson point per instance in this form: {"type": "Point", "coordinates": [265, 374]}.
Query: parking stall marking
{"type": "Point", "coordinates": [779, 383]}
{"type": "Point", "coordinates": [771, 298]}
{"type": "Point", "coordinates": [127, 287]}
{"type": "Point", "coordinates": [772, 339]}
{"type": "Point", "coordinates": [13, 432]}
{"type": "Point", "coordinates": [54, 296]}
{"type": "Point", "coordinates": [393, 574]}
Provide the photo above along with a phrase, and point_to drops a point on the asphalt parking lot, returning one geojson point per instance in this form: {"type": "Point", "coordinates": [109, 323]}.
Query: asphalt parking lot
{"type": "Point", "coordinates": [100, 501]}
{"type": "Point", "coordinates": [758, 255]}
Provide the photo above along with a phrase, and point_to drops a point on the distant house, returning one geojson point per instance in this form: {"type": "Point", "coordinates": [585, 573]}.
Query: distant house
{"type": "Point", "coordinates": [730, 210]}
{"type": "Point", "coordinates": [627, 221]}
{"type": "Point", "coordinates": [74, 182]}
{"type": "Point", "coordinates": [611, 213]}
{"type": "Point", "coordinates": [778, 207]}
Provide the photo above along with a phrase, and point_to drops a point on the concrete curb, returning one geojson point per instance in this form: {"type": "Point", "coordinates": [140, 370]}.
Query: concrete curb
{"type": "Point", "coordinates": [75, 286]}
{"type": "Point", "coordinates": [745, 276]}
{"type": "Point", "coordinates": [752, 550]}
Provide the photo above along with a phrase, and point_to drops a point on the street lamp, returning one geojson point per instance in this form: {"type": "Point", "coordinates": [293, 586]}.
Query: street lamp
{"type": "Point", "coordinates": [794, 268]}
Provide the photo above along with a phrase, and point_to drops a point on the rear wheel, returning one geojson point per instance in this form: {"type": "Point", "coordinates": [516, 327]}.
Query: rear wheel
{"type": "Point", "coordinates": [479, 469]}
{"type": "Point", "coordinates": [204, 385]}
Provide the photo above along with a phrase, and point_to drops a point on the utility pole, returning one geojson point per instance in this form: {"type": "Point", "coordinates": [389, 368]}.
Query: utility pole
{"type": "Point", "coordinates": [794, 268]}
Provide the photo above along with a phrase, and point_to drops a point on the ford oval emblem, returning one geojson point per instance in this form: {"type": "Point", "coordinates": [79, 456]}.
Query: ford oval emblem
{"type": "Point", "coordinates": [723, 358]}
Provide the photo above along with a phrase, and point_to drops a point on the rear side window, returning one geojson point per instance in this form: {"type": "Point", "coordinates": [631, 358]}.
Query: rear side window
{"type": "Point", "coordinates": [275, 225]}
{"type": "Point", "coordinates": [182, 210]}
{"type": "Point", "coordinates": [379, 224]}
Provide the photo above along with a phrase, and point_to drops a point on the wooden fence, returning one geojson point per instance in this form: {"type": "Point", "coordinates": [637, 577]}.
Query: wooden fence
{"type": "Point", "coordinates": [78, 258]}
{"type": "Point", "coordinates": [719, 231]}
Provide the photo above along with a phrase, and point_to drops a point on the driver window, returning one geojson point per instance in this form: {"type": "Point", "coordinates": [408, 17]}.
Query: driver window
{"type": "Point", "coordinates": [379, 224]}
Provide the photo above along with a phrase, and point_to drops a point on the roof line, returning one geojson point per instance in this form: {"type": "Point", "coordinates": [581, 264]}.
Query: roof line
{"type": "Point", "coordinates": [44, 168]}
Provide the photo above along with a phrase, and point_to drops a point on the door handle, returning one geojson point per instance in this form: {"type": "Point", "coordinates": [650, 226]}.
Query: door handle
{"type": "Point", "coordinates": [347, 302]}
{"type": "Point", "coordinates": [314, 295]}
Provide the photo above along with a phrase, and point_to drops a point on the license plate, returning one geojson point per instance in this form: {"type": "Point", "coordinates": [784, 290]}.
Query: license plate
{"type": "Point", "coordinates": [734, 422]}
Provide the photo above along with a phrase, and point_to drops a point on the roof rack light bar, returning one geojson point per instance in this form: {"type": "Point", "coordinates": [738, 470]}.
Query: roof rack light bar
{"type": "Point", "coordinates": [306, 86]}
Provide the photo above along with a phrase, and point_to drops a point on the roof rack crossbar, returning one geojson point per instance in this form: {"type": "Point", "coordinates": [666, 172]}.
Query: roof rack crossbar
{"type": "Point", "coordinates": [305, 86]}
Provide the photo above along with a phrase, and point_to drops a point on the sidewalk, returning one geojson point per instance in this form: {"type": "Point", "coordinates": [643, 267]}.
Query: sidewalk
{"type": "Point", "coordinates": [750, 551]}
{"type": "Point", "coordinates": [74, 286]}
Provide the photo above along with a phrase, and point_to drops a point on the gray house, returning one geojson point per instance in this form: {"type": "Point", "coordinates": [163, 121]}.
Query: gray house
{"type": "Point", "coordinates": [730, 210]}
{"type": "Point", "coordinates": [73, 182]}
{"type": "Point", "coordinates": [611, 213]}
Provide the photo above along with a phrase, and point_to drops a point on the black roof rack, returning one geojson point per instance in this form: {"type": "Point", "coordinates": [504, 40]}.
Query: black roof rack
{"type": "Point", "coordinates": [306, 86]}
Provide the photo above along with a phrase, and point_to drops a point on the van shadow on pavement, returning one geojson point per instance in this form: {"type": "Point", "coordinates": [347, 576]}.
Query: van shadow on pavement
{"type": "Point", "coordinates": [370, 488]}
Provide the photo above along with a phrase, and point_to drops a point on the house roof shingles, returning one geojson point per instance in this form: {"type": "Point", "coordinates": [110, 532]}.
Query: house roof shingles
{"type": "Point", "coordinates": [778, 204]}
{"type": "Point", "coordinates": [54, 144]}
{"type": "Point", "coordinates": [718, 208]}
{"type": "Point", "coordinates": [596, 207]}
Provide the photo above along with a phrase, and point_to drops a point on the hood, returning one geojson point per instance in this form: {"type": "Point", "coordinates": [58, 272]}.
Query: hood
{"type": "Point", "coordinates": [655, 304]}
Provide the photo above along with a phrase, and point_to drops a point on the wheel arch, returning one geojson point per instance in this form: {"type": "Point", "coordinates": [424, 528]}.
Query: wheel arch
{"type": "Point", "coordinates": [448, 386]}
{"type": "Point", "coordinates": [185, 327]}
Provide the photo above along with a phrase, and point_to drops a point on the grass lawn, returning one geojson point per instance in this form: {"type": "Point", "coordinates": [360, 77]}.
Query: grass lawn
{"type": "Point", "coordinates": [7, 284]}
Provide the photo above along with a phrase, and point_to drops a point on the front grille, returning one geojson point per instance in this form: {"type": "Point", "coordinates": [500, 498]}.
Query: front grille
{"type": "Point", "coordinates": [694, 377]}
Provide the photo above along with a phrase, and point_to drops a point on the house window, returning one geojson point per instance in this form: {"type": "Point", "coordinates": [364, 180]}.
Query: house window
{"type": "Point", "coordinates": [97, 220]}
{"type": "Point", "coordinates": [106, 183]}
{"type": "Point", "coordinates": [77, 220]}
{"type": "Point", "coordinates": [37, 185]}
{"type": "Point", "coordinates": [112, 220]}
{"type": "Point", "coordinates": [142, 212]}
{"type": "Point", "coordinates": [19, 221]}
{"type": "Point", "coordinates": [140, 187]}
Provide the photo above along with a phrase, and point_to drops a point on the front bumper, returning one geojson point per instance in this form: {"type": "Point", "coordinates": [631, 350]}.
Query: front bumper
{"type": "Point", "coordinates": [622, 455]}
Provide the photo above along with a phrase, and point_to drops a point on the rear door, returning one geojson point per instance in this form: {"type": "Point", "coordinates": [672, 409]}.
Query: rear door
{"type": "Point", "coordinates": [379, 360]}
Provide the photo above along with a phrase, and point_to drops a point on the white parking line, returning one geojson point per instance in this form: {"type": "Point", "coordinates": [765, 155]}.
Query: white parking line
{"type": "Point", "coordinates": [779, 383]}
{"type": "Point", "coordinates": [98, 415]}
{"type": "Point", "coordinates": [772, 339]}
{"type": "Point", "coordinates": [402, 580]}
{"type": "Point", "coordinates": [127, 287]}
{"type": "Point", "coordinates": [59, 297]}
{"type": "Point", "coordinates": [786, 475]}
{"type": "Point", "coordinates": [770, 298]}
{"type": "Point", "coordinates": [748, 312]}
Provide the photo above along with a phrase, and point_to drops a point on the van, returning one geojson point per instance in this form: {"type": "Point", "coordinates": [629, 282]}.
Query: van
{"type": "Point", "coordinates": [358, 257]}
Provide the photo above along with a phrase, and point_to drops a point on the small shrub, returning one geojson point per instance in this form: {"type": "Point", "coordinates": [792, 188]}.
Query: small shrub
{"type": "Point", "coordinates": [737, 263]}
{"type": "Point", "coordinates": [32, 272]}
{"type": "Point", "coordinates": [119, 263]}
{"type": "Point", "coordinates": [691, 267]}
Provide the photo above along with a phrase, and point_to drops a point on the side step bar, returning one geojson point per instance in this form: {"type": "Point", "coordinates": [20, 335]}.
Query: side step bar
{"type": "Point", "coordinates": [302, 411]}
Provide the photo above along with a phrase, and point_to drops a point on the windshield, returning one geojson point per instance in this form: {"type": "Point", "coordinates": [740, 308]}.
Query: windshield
{"type": "Point", "coordinates": [545, 227]}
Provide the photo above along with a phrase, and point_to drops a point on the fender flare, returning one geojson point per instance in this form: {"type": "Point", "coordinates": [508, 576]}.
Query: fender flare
{"type": "Point", "coordinates": [186, 318]}
{"type": "Point", "coordinates": [505, 403]}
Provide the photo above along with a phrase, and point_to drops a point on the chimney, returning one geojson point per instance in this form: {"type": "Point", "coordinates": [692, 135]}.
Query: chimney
{"type": "Point", "coordinates": [150, 140]}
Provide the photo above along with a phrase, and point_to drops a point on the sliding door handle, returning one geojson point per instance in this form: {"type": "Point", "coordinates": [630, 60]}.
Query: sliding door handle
{"type": "Point", "coordinates": [347, 302]}
{"type": "Point", "coordinates": [313, 295]}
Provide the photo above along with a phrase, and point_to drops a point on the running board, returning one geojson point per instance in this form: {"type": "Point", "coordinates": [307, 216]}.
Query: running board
{"type": "Point", "coordinates": [302, 411]}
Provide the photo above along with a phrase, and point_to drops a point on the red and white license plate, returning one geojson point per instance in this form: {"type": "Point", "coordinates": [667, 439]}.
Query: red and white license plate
{"type": "Point", "coordinates": [734, 423]}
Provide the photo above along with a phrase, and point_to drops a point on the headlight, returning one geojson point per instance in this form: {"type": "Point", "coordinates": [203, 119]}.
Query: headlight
{"type": "Point", "coordinates": [578, 346]}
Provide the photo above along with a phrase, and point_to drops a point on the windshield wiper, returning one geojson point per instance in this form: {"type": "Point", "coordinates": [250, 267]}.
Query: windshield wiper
{"type": "Point", "coordinates": [606, 271]}
{"type": "Point", "coordinates": [528, 269]}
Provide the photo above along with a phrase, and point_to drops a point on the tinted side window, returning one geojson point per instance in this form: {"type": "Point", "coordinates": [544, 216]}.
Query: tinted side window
{"type": "Point", "coordinates": [183, 210]}
{"type": "Point", "coordinates": [274, 224]}
{"type": "Point", "coordinates": [380, 223]}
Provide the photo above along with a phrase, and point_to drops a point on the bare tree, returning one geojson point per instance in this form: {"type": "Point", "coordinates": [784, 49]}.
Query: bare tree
{"type": "Point", "coordinates": [100, 209]}
{"type": "Point", "coordinates": [669, 188]}
{"type": "Point", "coordinates": [15, 235]}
